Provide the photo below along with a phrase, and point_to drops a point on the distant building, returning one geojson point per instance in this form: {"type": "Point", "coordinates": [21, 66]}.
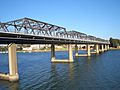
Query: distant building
{"type": "Point", "coordinates": [27, 49]}
{"type": "Point", "coordinates": [36, 47]}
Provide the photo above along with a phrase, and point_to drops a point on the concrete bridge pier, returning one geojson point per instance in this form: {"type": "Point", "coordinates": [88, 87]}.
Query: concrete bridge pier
{"type": "Point", "coordinates": [52, 52]}
{"type": "Point", "coordinates": [102, 48]}
{"type": "Point", "coordinates": [88, 50]}
{"type": "Point", "coordinates": [86, 54]}
{"type": "Point", "coordinates": [97, 48]}
{"type": "Point", "coordinates": [13, 70]}
{"type": "Point", "coordinates": [70, 54]}
{"type": "Point", "coordinates": [106, 47]}
{"type": "Point", "coordinates": [76, 50]}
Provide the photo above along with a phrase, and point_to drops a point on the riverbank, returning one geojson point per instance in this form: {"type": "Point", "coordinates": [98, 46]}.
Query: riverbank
{"type": "Point", "coordinates": [45, 50]}
{"type": "Point", "coordinates": [112, 48]}
{"type": "Point", "coordinates": [64, 49]}
{"type": "Point", "coordinates": [48, 50]}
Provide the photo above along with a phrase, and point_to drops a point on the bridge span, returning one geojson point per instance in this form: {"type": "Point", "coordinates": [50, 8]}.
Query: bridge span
{"type": "Point", "coordinates": [29, 31]}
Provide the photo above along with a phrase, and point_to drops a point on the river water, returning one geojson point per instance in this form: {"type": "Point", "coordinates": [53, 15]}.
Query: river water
{"type": "Point", "coordinates": [36, 72]}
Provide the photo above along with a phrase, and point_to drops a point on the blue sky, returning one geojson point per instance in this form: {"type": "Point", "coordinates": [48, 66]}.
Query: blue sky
{"type": "Point", "coordinates": [100, 18]}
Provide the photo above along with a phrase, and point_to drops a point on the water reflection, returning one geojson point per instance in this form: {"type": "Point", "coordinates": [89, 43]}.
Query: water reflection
{"type": "Point", "coordinates": [88, 60]}
{"type": "Point", "coordinates": [71, 71]}
{"type": "Point", "coordinates": [14, 86]}
{"type": "Point", "coordinates": [98, 72]}
{"type": "Point", "coordinates": [61, 71]}
{"type": "Point", "coordinates": [6, 85]}
{"type": "Point", "coordinates": [55, 71]}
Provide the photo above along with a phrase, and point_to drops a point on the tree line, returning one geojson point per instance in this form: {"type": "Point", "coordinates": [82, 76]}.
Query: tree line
{"type": "Point", "coordinates": [114, 42]}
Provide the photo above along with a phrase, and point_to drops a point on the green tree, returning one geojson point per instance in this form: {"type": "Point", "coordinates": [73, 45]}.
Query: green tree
{"type": "Point", "coordinates": [114, 42]}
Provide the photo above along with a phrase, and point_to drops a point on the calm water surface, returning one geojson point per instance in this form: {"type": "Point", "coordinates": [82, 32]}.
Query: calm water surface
{"type": "Point", "coordinates": [99, 72]}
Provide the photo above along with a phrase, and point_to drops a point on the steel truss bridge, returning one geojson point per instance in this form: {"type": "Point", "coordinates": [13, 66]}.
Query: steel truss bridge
{"type": "Point", "coordinates": [29, 31]}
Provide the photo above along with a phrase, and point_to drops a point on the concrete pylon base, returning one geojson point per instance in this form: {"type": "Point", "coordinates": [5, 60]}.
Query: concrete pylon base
{"type": "Point", "coordinates": [89, 55]}
{"type": "Point", "coordinates": [81, 55]}
{"type": "Point", "coordinates": [103, 51]}
{"type": "Point", "coordinates": [76, 54]}
{"type": "Point", "coordinates": [13, 78]}
{"type": "Point", "coordinates": [100, 50]}
{"type": "Point", "coordinates": [61, 61]}
{"type": "Point", "coordinates": [9, 77]}
{"type": "Point", "coordinates": [93, 52]}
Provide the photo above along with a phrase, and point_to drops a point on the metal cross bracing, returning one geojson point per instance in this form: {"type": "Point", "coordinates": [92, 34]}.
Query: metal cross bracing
{"type": "Point", "coordinates": [26, 29]}
{"type": "Point", "coordinates": [30, 26]}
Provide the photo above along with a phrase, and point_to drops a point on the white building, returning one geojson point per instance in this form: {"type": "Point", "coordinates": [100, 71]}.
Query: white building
{"type": "Point", "coordinates": [27, 48]}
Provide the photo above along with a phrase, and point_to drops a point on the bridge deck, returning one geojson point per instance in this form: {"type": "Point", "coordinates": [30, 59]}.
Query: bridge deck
{"type": "Point", "coordinates": [7, 37]}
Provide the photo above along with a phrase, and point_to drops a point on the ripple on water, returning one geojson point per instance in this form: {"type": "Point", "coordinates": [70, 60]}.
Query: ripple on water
{"type": "Point", "coordinates": [99, 72]}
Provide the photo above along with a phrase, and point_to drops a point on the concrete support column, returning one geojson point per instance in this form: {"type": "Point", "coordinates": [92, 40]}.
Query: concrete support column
{"type": "Point", "coordinates": [76, 50]}
{"type": "Point", "coordinates": [70, 53]}
{"type": "Point", "coordinates": [88, 50]}
{"type": "Point", "coordinates": [97, 48]}
{"type": "Point", "coordinates": [102, 46]}
{"type": "Point", "coordinates": [106, 48]}
{"type": "Point", "coordinates": [52, 52]}
{"type": "Point", "coordinates": [13, 70]}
